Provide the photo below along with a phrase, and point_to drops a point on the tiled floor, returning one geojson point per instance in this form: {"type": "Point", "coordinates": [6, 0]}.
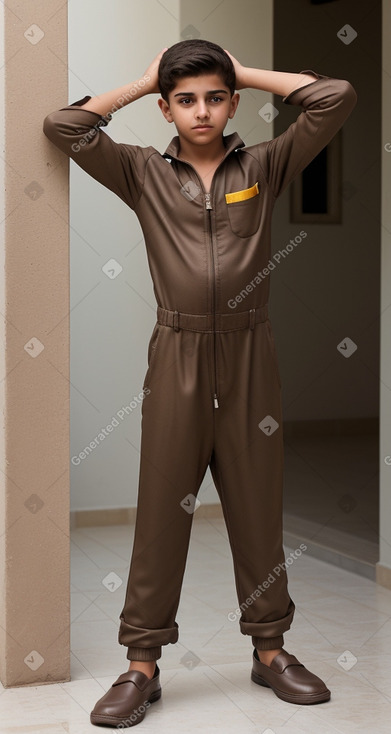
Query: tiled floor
{"type": "Point", "coordinates": [205, 676]}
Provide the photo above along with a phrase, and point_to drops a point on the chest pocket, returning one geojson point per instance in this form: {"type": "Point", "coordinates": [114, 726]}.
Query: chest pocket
{"type": "Point", "coordinates": [244, 210]}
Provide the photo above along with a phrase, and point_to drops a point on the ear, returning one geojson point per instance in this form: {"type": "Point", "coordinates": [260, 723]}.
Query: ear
{"type": "Point", "coordinates": [165, 108]}
{"type": "Point", "coordinates": [234, 104]}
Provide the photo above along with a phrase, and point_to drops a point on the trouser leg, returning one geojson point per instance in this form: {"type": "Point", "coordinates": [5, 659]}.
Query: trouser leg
{"type": "Point", "coordinates": [247, 468]}
{"type": "Point", "coordinates": [176, 444]}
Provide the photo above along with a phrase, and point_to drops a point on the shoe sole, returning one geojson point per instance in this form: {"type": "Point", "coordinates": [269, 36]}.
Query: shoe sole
{"type": "Point", "coordinates": [292, 697]}
{"type": "Point", "coordinates": [115, 720]}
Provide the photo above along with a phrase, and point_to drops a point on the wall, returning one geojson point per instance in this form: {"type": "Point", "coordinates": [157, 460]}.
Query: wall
{"type": "Point", "coordinates": [111, 320]}
{"type": "Point", "coordinates": [328, 288]}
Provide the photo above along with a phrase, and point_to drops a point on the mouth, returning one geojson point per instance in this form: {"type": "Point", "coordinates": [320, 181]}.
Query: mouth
{"type": "Point", "coordinates": [202, 127]}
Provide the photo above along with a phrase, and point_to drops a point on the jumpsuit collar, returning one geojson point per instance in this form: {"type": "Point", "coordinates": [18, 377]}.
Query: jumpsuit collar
{"type": "Point", "coordinates": [231, 142]}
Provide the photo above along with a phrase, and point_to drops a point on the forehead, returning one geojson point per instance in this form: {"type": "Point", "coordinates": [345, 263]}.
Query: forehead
{"type": "Point", "coordinates": [199, 84]}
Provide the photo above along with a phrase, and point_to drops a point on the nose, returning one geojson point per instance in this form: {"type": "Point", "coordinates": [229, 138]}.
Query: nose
{"type": "Point", "coordinates": [202, 110]}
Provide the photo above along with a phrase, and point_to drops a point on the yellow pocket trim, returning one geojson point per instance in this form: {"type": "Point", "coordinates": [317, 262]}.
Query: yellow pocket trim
{"type": "Point", "coordinates": [242, 195]}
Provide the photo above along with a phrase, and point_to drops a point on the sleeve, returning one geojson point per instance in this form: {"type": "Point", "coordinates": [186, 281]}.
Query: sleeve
{"type": "Point", "coordinates": [326, 104]}
{"type": "Point", "coordinates": [118, 166]}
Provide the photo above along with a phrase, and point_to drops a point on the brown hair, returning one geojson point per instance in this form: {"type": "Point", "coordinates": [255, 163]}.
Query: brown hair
{"type": "Point", "coordinates": [193, 58]}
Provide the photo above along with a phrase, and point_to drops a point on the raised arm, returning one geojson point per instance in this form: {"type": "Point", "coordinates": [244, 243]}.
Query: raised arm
{"type": "Point", "coordinates": [109, 102]}
{"type": "Point", "coordinates": [277, 82]}
{"type": "Point", "coordinates": [76, 131]}
{"type": "Point", "coordinates": [326, 104]}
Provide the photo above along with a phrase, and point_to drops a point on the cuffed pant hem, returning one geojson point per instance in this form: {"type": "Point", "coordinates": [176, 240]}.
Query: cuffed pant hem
{"type": "Point", "coordinates": [267, 633]}
{"type": "Point", "coordinates": [142, 639]}
{"type": "Point", "coordinates": [144, 653]}
{"type": "Point", "coordinates": [268, 643]}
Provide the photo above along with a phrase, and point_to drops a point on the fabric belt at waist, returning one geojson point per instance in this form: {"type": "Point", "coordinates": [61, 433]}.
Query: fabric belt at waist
{"type": "Point", "coordinates": [205, 321]}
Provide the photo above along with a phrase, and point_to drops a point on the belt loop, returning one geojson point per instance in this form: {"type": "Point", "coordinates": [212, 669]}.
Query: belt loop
{"type": "Point", "coordinates": [252, 318]}
{"type": "Point", "coordinates": [176, 321]}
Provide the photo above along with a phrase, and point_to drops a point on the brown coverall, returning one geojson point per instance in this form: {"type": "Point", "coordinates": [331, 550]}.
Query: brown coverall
{"type": "Point", "coordinates": [212, 387]}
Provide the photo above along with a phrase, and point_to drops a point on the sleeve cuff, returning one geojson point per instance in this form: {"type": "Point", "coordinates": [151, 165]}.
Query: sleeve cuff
{"type": "Point", "coordinates": [287, 98]}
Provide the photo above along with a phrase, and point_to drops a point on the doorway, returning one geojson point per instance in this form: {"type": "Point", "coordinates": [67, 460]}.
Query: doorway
{"type": "Point", "coordinates": [327, 295]}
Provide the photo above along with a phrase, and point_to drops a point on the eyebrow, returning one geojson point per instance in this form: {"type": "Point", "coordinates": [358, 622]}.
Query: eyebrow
{"type": "Point", "coordinates": [191, 94]}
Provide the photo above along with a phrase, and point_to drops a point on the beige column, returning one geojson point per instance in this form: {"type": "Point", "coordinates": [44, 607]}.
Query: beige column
{"type": "Point", "coordinates": [34, 369]}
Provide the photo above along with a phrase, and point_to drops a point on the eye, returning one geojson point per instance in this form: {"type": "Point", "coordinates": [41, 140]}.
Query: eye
{"type": "Point", "coordinates": [184, 99]}
{"type": "Point", "coordinates": [218, 98]}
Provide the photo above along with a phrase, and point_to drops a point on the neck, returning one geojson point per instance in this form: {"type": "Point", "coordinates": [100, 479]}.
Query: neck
{"type": "Point", "coordinates": [202, 154]}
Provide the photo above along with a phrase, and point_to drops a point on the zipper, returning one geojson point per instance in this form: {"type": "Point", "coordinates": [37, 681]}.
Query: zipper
{"type": "Point", "coordinates": [208, 207]}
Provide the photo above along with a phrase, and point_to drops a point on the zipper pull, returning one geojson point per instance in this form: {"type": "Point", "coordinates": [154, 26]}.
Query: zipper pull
{"type": "Point", "coordinates": [208, 205]}
{"type": "Point", "coordinates": [216, 402]}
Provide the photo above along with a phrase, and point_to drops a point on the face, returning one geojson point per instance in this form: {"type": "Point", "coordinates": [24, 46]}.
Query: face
{"type": "Point", "coordinates": [200, 108]}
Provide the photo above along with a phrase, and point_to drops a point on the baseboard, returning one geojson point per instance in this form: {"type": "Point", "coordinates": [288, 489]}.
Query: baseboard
{"type": "Point", "coordinates": [127, 515]}
{"type": "Point", "coordinates": [330, 555]}
{"type": "Point", "coordinates": [105, 516]}
{"type": "Point", "coordinates": [383, 575]}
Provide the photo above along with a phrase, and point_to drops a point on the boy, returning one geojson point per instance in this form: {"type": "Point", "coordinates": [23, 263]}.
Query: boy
{"type": "Point", "coordinates": [212, 387]}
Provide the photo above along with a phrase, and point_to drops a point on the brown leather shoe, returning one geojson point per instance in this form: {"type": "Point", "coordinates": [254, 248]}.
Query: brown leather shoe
{"type": "Point", "coordinates": [289, 679]}
{"type": "Point", "coordinates": [126, 702]}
